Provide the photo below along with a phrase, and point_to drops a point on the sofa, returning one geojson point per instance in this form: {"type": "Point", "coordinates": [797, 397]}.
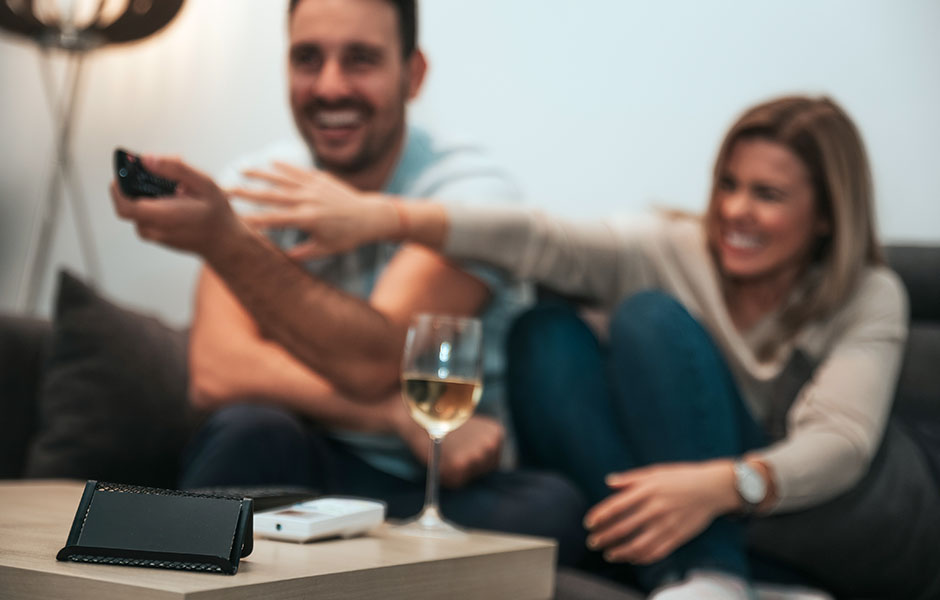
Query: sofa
{"type": "Point", "coordinates": [99, 391]}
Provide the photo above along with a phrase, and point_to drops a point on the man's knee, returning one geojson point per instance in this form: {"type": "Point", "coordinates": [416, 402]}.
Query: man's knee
{"type": "Point", "coordinates": [249, 445]}
{"type": "Point", "coordinates": [250, 434]}
{"type": "Point", "coordinates": [252, 424]}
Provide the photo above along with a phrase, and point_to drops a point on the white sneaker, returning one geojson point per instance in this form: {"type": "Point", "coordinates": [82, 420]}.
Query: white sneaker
{"type": "Point", "coordinates": [706, 585]}
{"type": "Point", "coordinates": [773, 591]}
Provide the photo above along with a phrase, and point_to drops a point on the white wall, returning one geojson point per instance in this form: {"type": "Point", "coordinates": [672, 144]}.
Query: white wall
{"type": "Point", "coordinates": [596, 105]}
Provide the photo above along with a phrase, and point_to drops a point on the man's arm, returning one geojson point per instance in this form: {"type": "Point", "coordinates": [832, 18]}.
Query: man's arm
{"type": "Point", "coordinates": [337, 335]}
{"type": "Point", "coordinates": [343, 338]}
{"type": "Point", "coordinates": [230, 360]}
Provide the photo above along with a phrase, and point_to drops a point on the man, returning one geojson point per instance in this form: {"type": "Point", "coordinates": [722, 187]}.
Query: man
{"type": "Point", "coordinates": [302, 369]}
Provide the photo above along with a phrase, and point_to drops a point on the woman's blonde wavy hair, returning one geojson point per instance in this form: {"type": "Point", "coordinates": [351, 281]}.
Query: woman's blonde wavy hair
{"type": "Point", "coordinates": [823, 136]}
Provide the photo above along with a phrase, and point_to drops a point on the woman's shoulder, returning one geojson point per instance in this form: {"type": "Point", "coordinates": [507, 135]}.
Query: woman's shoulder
{"type": "Point", "coordinates": [881, 286]}
{"type": "Point", "coordinates": [876, 310]}
{"type": "Point", "coordinates": [879, 299]}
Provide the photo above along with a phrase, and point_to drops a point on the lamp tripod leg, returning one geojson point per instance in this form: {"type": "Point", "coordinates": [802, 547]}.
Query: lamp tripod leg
{"type": "Point", "coordinates": [38, 254]}
{"type": "Point", "coordinates": [62, 172]}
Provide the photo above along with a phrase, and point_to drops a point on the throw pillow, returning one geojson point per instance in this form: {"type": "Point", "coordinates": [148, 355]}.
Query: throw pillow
{"type": "Point", "coordinates": [113, 404]}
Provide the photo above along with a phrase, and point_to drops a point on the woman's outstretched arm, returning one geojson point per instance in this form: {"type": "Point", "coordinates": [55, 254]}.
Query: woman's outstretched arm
{"type": "Point", "coordinates": [589, 260]}
{"type": "Point", "coordinates": [336, 216]}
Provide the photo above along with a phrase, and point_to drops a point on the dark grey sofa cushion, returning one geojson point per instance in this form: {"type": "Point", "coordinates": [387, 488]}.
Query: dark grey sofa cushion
{"type": "Point", "coordinates": [113, 403]}
{"type": "Point", "coordinates": [878, 540]}
{"type": "Point", "coordinates": [917, 399]}
{"type": "Point", "coordinates": [23, 348]}
{"type": "Point", "coordinates": [918, 392]}
{"type": "Point", "coordinates": [919, 268]}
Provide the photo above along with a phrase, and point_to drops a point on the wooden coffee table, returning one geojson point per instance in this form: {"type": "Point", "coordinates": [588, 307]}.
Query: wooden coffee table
{"type": "Point", "coordinates": [35, 517]}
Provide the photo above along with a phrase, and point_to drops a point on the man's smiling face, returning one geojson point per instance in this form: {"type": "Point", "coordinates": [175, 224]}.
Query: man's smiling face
{"type": "Point", "coordinates": [349, 82]}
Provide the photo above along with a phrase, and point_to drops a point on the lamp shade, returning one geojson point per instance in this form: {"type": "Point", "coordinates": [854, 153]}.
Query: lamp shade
{"type": "Point", "coordinates": [139, 19]}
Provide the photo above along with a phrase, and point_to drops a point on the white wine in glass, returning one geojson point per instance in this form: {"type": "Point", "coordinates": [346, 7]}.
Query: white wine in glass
{"type": "Point", "coordinates": [441, 386]}
{"type": "Point", "coordinates": [440, 405]}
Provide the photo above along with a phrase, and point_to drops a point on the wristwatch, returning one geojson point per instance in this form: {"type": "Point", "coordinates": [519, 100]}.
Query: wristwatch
{"type": "Point", "coordinates": [750, 485]}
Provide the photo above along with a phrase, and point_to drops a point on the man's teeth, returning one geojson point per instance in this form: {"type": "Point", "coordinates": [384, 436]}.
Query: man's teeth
{"type": "Point", "coordinates": [338, 118]}
{"type": "Point", "coordinates": [742, 240]}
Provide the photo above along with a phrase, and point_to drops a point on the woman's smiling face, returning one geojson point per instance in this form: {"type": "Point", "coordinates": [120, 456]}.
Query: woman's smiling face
{"type": "Point", "coordinates": [766, 214]}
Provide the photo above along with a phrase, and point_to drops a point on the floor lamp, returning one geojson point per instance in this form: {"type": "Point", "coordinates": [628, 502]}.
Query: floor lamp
{"type": "Point", "coordinates": [75, 27]}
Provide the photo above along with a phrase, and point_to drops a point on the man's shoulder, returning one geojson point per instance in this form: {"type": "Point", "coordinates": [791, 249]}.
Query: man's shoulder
{"type": "Point", "coordinates": [449, 168]}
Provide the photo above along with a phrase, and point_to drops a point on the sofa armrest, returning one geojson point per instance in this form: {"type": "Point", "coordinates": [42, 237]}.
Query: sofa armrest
{"type": "Point", "coordinates": [24, 346]}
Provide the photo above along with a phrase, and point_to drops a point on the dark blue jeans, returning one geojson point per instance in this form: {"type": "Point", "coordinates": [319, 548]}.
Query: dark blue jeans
{"type": "Point", "coordinates": [255, 445]}
{"type": "Point", "coordinates": [659, 392]}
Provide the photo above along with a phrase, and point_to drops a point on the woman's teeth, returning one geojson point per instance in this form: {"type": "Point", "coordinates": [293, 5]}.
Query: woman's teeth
{"type": "Point", "coordinates": [745, 241]}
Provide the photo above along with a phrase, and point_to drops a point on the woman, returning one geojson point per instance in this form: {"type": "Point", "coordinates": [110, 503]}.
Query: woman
{"type": "Point", "coordinates": [752, 356]}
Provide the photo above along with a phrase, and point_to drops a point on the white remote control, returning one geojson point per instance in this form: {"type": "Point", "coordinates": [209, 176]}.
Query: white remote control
{"type": "Point", "coordinates": [329, 516]}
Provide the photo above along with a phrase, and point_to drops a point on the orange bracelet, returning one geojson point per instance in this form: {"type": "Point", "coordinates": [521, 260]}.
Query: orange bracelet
{"type": "Point", "coordinates": [402, 219]}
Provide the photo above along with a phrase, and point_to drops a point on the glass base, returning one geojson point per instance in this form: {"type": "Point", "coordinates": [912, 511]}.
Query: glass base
{"type": "Point", "coordinates": [429, 524]}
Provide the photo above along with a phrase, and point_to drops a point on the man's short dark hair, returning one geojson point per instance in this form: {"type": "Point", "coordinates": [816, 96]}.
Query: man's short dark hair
{"type": "Point", "coordinates": [407, 11]}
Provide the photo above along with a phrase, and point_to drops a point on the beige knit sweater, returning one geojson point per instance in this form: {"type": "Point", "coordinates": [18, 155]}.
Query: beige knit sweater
{"type": "Point", "coordinates": [838, 417]}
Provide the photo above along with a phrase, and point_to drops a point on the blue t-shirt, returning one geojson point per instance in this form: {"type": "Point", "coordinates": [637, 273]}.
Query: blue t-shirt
{"type": "Point", "coordinates": [445, 172]}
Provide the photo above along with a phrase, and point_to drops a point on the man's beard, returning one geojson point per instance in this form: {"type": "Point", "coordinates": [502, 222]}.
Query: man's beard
{"type": "Point", "coordinates": [375, 145]}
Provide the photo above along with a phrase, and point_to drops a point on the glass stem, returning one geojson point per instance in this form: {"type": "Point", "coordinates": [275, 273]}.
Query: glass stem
{"type": "Point", "coordinates": [430, 495]}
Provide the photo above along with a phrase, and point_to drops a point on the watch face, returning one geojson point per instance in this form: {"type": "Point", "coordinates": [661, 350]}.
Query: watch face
{"type": "Point", "coordinates": [750, 483]}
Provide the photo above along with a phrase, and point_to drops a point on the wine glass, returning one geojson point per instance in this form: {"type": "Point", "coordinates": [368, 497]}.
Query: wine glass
{"type": "Point", "coordinates": [441, 386]}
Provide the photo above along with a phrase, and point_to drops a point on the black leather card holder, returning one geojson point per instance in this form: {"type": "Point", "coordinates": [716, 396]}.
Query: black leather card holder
{"type": "Point", "coordinates": [151, 527]}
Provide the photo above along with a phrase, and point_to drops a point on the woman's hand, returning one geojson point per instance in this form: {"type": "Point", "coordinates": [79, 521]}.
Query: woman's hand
{"type": "Point", "coordinates": [337, 216]}
{"type": "Point", "coordinates": [658, 508]}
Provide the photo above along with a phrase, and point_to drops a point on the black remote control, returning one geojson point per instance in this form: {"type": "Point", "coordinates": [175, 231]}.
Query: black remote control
{"type": "Point", "coordinates": [137, 181]}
